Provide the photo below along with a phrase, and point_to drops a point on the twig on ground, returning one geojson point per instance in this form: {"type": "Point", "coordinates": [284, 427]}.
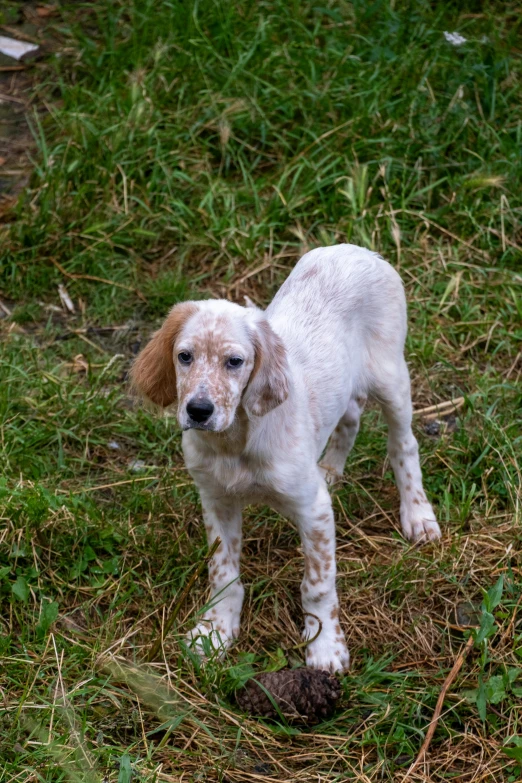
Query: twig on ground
{"type": "Point", "coordinates": [179, 603]}
{"type": "Point", "coordinates": [441, 408]}
{"type": "Point", "coordinates": [73, 276]}
{"type": "Point", "coordinates": [438, 707]}
{"type": "Point", "coordinates": [19, 34]}
{"type": "Point", "coordinates": [12, 98]}
{"type": "Point", "coordinates": [113, 484]}
{"type": "Point", "coordinates": [308, 641]}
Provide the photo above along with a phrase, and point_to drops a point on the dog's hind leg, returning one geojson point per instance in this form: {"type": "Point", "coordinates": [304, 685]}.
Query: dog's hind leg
{"type": "Point", "coordinates": [342, 440]}
{"type": "Point", "coordinates": [392, 390]}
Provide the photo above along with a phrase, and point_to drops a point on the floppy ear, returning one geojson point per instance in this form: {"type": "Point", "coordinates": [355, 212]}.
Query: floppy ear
{"type": "Point", "coordinates": [153, 374]}
{"type": "Point", "coordinates": [269, 381]}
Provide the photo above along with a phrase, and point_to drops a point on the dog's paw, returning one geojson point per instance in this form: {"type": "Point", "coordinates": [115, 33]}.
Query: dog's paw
{"type": "Point", "coordinates": [210, 638]}
{"type": "Point", "coordinates": [330, 474]}
{"type": "Point", "coordinates": [418, 522]}
{"type": "Point", "coordinates": [330, 657]}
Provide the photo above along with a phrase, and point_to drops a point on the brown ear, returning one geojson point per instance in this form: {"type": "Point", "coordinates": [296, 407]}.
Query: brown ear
{"type": "Point", "coordinates": [153, 374]}
{"type": "Point", "coordinates": [269, 382]}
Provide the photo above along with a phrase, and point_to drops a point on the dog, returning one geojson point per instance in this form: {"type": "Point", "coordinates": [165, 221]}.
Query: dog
{"type": "Point", "coordinates": [269, 404]}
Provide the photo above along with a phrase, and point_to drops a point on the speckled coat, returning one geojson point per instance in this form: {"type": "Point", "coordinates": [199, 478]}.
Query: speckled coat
{"type": "Point", "coordinates": [283, 391]}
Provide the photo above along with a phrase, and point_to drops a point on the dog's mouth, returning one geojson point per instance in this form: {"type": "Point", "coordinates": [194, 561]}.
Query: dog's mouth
{"type": "Point", "coordinates": [195, 425]}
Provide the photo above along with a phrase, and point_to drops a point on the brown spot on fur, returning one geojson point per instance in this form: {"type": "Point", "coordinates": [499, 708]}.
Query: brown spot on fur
{"type": "Point", "coordinates": [153, 373]}
{"type": "Point", "coordinates": [334, 614]}
{"type": "Point", "coordinates": [408, 475]}
{"type": "Point", "coordinates": [313, 407]}
{"type": "Point", "coordinates": [312, 272]}
{"type": "Point", "coordinates": [314, 565]}
{"type": "Point", "coordinates": [408, 487]}
{"type": "Point", "coordinates": [416, 501]}
{"type": "Point", "coordinates": [401, 463]}
{"type": "Point", "coordinates": [326, 517]}
{"type": "Point", "coordinates": [337, 629]}
{"type": "Point", "coordinates": [318, 537]}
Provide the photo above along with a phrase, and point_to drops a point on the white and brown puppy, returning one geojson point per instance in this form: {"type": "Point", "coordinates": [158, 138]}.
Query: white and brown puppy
{"type": "Point", "coordinates": [261, 395]}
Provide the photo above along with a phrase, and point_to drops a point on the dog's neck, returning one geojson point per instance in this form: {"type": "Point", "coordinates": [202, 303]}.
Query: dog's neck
{"type": "Point", "coordinates": [230, 442]}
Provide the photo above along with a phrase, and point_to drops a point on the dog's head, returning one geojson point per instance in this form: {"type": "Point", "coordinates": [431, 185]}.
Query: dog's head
{"type": "Point", "coordinates": [209, 358]}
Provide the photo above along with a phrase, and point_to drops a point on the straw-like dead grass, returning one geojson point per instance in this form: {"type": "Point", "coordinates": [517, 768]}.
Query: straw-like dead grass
{"type": "Point", "coordinates": [199, 150]}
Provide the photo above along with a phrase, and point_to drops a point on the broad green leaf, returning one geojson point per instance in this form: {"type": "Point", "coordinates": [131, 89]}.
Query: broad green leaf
{"type": "Point", "coordinates": [89, 553]}
{"type": "Point", "coordinates": [277, 661]}
{"type": "Point", "coordinates": [470, 695]}
{"type": "Point", "coordinates": [21, 589]}
{"type": "Point", "coordinates": [481, 701]}
{"type": "Point", "coordinates": [125, 773]}
{"type": "Point", "coordinates": [240, 674]}
{"type": "Point", "coordinates": [494, 594]}
{"type": "Point", "coordinates": [495, 689]}
{"type": "Point", "coordinates": [513, 673]}
{"type": "Point", "coordinates": [515, 739]}
{"type": "Point", "coordinates": [513, 753]}
{"type": "Point", "coordinates": [110, 566]}
{"type": "Point", "coordinates": [487, 622]}
{"type": "Point", "coordinates": [48, 615]}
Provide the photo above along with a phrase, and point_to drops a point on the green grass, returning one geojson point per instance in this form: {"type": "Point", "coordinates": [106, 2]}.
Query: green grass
{"type": "Point", "coordinates": [197, 149]}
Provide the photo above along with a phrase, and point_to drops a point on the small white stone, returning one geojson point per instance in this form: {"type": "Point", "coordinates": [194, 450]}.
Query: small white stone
{"type": "Point", "coordinates": [455, 39]}
{"type": "Point", "coordinates": [137, 465]}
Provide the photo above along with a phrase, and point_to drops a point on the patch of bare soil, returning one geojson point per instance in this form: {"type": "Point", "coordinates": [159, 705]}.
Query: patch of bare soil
{"type": "Point", "coordinates": [30, 23]}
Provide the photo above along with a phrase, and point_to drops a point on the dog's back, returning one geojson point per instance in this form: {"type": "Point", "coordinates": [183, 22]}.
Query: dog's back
{"type": "Point", "coordinates": [340, 311]}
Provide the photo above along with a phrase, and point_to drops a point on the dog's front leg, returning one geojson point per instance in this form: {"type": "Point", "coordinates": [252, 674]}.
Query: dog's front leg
{"type": "Point", "coordinates": [315, 521]}
{"type": "Point", "coordinates": [219, 625]}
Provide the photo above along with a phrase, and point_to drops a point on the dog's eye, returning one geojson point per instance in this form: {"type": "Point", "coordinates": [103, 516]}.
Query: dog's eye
{"type": "Point", "coordinates": [235, 361]}
{"type": "Point", "coordinates": [185, 357]}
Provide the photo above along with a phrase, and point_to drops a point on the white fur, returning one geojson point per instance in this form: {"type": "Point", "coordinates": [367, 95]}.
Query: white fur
{"type": "Point", "coordinates": [341, 316]}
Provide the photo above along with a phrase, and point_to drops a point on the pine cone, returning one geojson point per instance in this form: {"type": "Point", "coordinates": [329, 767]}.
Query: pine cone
{"type": "Point", "coordinates": [302, 695]}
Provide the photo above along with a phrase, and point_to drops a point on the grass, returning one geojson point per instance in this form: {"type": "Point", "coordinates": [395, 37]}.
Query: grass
{"type": "Point", "coordinates": [193, 148]}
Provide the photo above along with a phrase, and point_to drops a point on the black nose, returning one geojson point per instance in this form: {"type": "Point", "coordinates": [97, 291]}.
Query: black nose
{"type": "Point", "coordinates": [200, 410]}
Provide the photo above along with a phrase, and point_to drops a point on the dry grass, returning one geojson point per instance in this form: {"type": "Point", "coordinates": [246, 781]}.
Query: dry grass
{"type": "Point", "coordinates": [193, 150]}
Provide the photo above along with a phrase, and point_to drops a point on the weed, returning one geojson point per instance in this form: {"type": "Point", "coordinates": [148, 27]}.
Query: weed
{"type": "Point", "coordinates": [197, 149]}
